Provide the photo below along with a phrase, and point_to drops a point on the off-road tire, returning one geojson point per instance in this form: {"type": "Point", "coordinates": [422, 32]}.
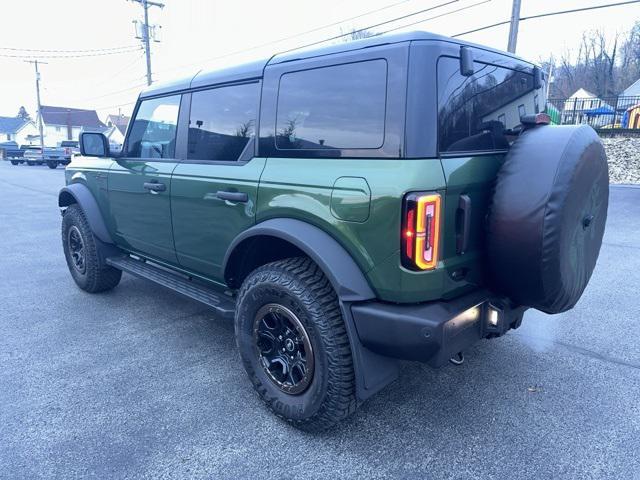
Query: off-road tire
{"type": "Point", "coordinates": [300, 286]}
{"type": "Point", "coordinates": [96, 277]}
{"type": "Point", "coordinates": [52, 165]}
{"type": "Point", "coordinates": [14, 162]}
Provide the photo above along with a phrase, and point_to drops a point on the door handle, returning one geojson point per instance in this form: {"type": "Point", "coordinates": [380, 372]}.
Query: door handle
{"type": "Point", "coordinates": [239, 197]}
{"type": "Point", "coordinates": [155, 186]}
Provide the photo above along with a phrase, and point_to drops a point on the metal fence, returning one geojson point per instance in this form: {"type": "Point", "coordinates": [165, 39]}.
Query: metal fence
{"type": "Point", "coordinates": [607, 113]}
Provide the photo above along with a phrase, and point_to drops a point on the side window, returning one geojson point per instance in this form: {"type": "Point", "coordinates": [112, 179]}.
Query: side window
{"type": "Point", "coordinates": [474, 111]}
{"type": "Point", "coordinates": [153, 132]}
{"type": "Point", "coordinates": [522, 111]}
{"type": "Point", "coordinates": [337, 107]}
{"type": "Point", "coordinates": [222, 122]}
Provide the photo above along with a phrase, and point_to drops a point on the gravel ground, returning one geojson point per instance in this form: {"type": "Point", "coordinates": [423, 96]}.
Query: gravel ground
{"type": "Point", "coordinates": [624, 159]}
{"type": "Point", "coordinates": [140, 382]}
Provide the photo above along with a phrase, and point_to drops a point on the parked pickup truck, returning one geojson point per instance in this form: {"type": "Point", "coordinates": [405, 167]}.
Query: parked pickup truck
{"type": "Point", "coordinates": [71, 147]}
{"type": "Point", "coordinates": [10, 150]}
{"type": "Point", "coordinates": [15, 154]}
{"type": "Point", "coordinates": [52, 156]}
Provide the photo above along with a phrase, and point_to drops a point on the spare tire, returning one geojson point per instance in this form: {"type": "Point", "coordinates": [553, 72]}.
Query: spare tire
{"type": "Point", "coordinates": [547, 216]}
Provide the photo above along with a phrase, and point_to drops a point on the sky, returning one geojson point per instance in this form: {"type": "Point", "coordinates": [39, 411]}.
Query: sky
{"type": "Point", "coordinates": [196, 33]}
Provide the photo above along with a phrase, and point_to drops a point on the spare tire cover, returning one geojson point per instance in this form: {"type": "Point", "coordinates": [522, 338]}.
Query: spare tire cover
{"type": "Point", "coordinates": [547, 216]}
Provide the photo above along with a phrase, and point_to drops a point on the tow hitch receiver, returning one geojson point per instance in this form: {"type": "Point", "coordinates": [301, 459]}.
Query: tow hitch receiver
{"type": "Point", "coordinates": [457, 359]}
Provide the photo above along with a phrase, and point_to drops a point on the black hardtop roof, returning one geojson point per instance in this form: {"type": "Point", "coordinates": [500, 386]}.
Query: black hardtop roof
{"type": "Point", "coordinates": [255, 69]}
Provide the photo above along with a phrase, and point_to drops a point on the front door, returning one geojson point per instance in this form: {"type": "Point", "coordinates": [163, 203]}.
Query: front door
{"type": "Point", "coordinates": [214, 191]}
{"type": "Point", "coordinates": [140, 181]}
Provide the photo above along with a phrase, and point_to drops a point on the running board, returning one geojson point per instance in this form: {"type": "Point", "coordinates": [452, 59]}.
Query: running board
{"type": "Point", "coordinates": [221, 303]}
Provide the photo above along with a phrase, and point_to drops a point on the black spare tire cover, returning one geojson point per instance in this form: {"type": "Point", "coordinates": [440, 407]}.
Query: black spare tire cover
{"type": "Point", "coordinates": [547, 216]}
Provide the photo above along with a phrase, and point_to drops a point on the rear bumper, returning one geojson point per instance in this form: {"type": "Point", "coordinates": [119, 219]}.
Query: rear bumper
{"type": "Point", "coordinates": [433, 332]}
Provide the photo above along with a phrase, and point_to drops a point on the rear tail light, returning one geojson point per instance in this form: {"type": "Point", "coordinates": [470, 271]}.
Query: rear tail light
{"type": "Point", "coordinates": [421, 231]}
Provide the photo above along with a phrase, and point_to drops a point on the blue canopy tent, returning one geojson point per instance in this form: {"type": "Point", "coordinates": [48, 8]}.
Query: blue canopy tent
{"type": "Point", "coordinates": [594, 112]}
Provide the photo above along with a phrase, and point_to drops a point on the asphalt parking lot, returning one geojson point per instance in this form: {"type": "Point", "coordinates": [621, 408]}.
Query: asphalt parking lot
{"type": "Point", "coordinates": [143, 383]}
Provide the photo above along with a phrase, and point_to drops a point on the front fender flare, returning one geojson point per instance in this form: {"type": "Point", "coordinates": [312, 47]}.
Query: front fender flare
{"type": "Point", "coordinates": [342, 271]}
{"type": "Point", "coordinates": [80, 194]}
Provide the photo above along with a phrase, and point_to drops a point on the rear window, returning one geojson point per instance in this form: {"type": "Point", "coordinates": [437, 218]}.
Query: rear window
{"type": "Point", "coordinates": [474, 111]}
{"type": "Point", "coordinates": [337, 107]}
{"type": "Point", "coordinates": [222, 122]}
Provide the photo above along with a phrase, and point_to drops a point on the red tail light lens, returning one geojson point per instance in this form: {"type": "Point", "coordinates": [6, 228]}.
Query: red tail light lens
{"type": "Point", "coordinates": [421, 231]}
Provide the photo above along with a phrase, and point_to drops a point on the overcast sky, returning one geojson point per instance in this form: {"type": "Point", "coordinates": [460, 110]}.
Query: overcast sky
{"type": "Point", "coordinates": [195, 32]}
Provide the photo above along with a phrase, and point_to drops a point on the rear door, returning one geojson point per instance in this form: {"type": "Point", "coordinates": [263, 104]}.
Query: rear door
{"type": "Point", "coordinates": [476, 118]}
{"type": "Point", "coordinates": [140, 180]}
{"type": "Point", "coordinates": [214, 190]}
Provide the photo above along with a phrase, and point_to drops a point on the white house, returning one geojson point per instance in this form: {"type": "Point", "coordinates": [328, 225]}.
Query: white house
{"type": "Point", "coordinates": [63, 123]}
{"type": "Point", "coordinates": [19, 130]}
{"type": "Point", "coordinates": [116, 128]}
{"type": "Point", "coordinates": [576, 106]}
{"type": "Point", "coordinates": [630, 96]}
{"type": "Point", "coordinates": [632, 90]}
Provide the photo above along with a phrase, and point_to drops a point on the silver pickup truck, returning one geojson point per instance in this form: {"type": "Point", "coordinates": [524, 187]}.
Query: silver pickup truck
{"type": "Point", "coordinates": [52, 156]}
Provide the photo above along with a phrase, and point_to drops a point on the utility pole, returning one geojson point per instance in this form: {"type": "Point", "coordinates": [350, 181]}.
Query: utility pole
{"type": "Point", "coordinates": [145, 32]}
{"type": "Point", "coordinates": [513, 29]}
{"type": "Point", "coordinates": [35, 62]}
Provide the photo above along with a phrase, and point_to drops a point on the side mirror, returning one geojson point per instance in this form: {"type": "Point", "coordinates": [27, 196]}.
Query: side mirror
{"type": "Point", "coordinates": [538, 78]}
{"type": "Point", "coordinates": [94, 144]}
{"type": "Point", "coordinates": [467, 67]}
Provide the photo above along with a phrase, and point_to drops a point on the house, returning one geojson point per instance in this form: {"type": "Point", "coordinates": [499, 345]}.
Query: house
{"type": "Point", "coordinates": [116, 128]}
{"type": "Point", "coordinates": [632, 90]}
{"type": "Point", "coordinates": [630, 96]}
{"type": "Point", "coordinates": [63, 123]}
{"type": "Point", "coordinates": [19, 130]}
{"type": "Point", "coordinates": [578, 108]}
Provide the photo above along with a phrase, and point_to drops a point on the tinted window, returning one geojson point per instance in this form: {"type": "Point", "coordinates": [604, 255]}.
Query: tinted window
{"type": "Point", "coordinates": [222, 122]}
{"type": "Point", "coordinates": [335, 107]}
{"type": "Point", "coordinates": [153, 132]}
{"type": "Point", "coordinates": [473, 112]}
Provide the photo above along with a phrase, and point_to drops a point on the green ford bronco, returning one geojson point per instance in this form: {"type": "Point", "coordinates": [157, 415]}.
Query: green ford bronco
{"type": "Point", "coordinates": [395, 198]}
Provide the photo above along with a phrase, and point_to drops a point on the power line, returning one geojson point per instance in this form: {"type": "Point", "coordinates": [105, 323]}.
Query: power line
{"type": "Point", "coordinates": [341, 35]}
{"type": "Point", "coordinates": [548, 14]}
{"type": "Point", "coordinates": [67, 51]}
{"type": "Point", "coordinates": [435, 16]}
{"type": "Point", "coordinates": [120, 72]}
{"type": "Point", "coordinates": [115, 106]}
{"type": "Point", "coordinates": [70, 56]}
{"type": "Point", "coordinates": [290, 37]}
{"type": "Point", "coordinates": [373, 26]}
{"type": "Point", "coordinates": [115, 92]}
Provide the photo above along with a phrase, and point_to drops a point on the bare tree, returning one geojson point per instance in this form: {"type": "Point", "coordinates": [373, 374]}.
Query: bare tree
{"type": "Point", "coordinates": [245, 129]}
{"type": "Point", "coordinates": [22, 113]}
{"type": "Point", "coordinates": [597, 66]}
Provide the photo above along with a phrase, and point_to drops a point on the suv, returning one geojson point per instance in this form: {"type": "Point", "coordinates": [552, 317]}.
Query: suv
{"type": "Point", "coordinates": [399, 197]}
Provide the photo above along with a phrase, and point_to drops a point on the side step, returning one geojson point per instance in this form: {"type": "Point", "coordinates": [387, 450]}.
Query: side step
{"type": "Point", "coordinates": [221, 303]}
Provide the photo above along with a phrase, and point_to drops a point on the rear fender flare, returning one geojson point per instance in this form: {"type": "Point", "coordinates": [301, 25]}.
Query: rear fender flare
{"type": "Point", "coordinates": [372, 371]}
{"type": "Point", "coordinates": [342, 271]}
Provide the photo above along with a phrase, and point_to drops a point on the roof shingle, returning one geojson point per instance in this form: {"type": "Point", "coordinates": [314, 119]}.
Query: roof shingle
{"type": "Point", "coordinates": [75, 117]}
{"type": "Point", "coordinates": [11, 124]}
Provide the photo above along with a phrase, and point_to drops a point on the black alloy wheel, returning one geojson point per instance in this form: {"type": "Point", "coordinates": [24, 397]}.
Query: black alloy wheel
{"type": "Point", "coordinates": [284, 348]}
{"type": "Point", "coordinates": [76, 249]}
